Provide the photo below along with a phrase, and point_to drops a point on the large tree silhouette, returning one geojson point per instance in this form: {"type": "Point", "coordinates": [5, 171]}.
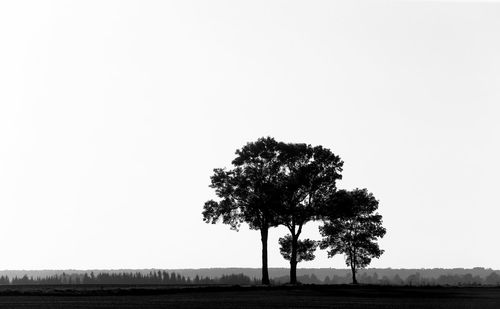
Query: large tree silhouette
{"type": "Point", "coordinates": [352, 227]}
{"type": "Point", "coordinates": [248, 192]}
{"type": "Point", "coordinates": [307, 181]}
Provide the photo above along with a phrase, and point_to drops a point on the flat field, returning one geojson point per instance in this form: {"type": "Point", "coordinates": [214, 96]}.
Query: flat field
{"type": "Point", "coordinates": [306, 296]}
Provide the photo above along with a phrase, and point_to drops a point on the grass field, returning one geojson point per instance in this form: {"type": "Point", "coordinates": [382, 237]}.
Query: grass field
{"type": "Point", "coordinates": [334, 296]}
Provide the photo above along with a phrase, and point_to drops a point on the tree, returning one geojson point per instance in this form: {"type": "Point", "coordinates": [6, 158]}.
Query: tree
{"type": "Point", "coordinates": [248, 192]}
{"type": "Point", "coordinates": [307, 179]}
{"type": "Point", "coordinates": [492, 279]}
{"type": "Point", "coordinates": [352, 227]}
{"type": "Point", "coordinates": [305, 248]}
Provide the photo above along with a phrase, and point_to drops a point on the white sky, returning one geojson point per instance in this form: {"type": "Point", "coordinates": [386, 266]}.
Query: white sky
{"type": "Point", "coordinates": [114, 113]}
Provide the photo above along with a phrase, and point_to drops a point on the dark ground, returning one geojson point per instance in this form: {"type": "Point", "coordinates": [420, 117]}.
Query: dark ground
{"type": "Point", "coordinates": [306, 296]}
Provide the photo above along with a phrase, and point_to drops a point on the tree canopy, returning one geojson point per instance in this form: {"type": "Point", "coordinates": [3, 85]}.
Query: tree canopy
{"type": "Point", "coordinates": [307, 181]}
{"type": "Point", "coordinates": [352, 227]}
{"type": "Point", "coordinates": [248, 192]}
{"type": "Point", "coordinates": [275, 183]}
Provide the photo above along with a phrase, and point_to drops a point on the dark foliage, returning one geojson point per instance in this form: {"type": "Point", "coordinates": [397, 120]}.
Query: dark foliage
{"type": "Point", "coordinates": [305, 248]}
{"type": "Point", "coordinates": [248, 192]}
{"type": "Point", "coordinates": [450, 278]}
{"type": "Point", "coordinates": [352, 227]}
{"type": "Point", "coordinates": [154, 277]}
{"type": "Point", "coordinates": [308, 178]}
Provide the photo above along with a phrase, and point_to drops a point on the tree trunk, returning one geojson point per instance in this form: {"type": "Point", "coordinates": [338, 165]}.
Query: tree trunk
{"type": "Point", "coordinates": [263, 237]}
{"type": "Point", "coordinates": [353, 266]}
{"type": "Point", "coordinates": [353, 269]}
{"type": "Point", "coordinates": [293, 260]}
{"type": "Point", "coordinates": [293, 272]}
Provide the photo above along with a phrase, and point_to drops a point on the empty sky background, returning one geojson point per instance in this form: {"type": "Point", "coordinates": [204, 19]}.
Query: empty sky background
{"type": "Point", "coordinates": [114, 113]}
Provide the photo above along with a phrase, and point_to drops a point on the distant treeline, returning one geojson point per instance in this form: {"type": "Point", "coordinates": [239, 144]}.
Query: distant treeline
{"type": "Point", "coordinates": [416, 279]}
{"type": "Point", "coordinates": [157, 277]}
{"type": "Point", "coordinates": [164, 277]}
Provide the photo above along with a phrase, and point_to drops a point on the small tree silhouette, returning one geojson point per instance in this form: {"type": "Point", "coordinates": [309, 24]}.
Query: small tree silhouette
{"type": "Point", "coordinates": [352, 227]}
{"type": "Point", "coordinates": [305, 248]}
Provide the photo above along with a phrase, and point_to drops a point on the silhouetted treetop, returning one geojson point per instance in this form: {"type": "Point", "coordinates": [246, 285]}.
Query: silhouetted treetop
{"type": "Point", "coordinates": [259, 153]}
{"type": "Point", "coordinates": [356, 203]}
{"type": "Point", "coordinates": [308, 178]}
{"type": "Point", "coordinates": [249, 192]}
{"type": "Point", "coordinates": [274, 183]}
{"type": "Point", "coordinates": [352, 227]}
